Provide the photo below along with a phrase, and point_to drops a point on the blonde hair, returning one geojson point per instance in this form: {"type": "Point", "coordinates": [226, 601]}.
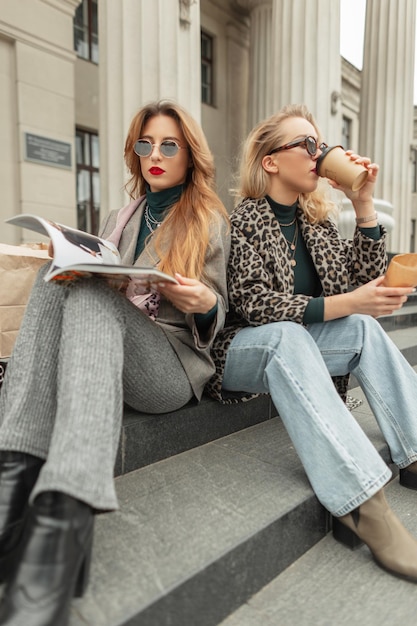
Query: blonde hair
{"type": "Point", "coordinates": [254, 180]}
{"type": "Point", "coordinates": [183, 238]}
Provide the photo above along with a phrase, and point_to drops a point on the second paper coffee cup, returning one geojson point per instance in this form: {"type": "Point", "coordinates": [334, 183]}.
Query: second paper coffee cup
{"type": "Point", "coordinates": [334, 163]}
{"type": "Point", "coordinates": [402, 271]}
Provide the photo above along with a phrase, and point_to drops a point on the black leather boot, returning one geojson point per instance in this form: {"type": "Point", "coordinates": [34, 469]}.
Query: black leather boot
{"type": "Point", "coordinates": [54, 562]}
{"type": "Point", "coordinates": [408, 476]}
{"type": "Point", "coordinates": [18, 474]}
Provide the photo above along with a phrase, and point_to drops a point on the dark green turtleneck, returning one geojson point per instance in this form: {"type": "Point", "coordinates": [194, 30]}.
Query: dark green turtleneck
{"type": "Point", "coordinates": [159, 203]}
{"type": "Point", "coordinates": [306, 279]}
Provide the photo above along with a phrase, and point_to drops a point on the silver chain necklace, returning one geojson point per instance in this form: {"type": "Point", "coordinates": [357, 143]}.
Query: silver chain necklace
{"type": "Point", "coordinates": [293, 245]}
{"type": "Point", "coordinates": [289, 223]}
{"type": "Point", "coordinates": [151, 222]}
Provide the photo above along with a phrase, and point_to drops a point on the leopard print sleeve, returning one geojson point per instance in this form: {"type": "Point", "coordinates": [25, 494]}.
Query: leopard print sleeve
{"type": "Point", "coordinates": [368, 257]}
{"type": "Point", "coordinates": [344, 263]}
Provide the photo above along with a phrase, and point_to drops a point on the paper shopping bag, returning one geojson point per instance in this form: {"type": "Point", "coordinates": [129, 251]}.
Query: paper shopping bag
{"type": "Point", "coordinates": [19, 266]}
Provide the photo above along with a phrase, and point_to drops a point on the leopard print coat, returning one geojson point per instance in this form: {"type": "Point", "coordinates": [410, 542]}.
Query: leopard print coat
{"type": "Point", "coordinates": [261, 278]}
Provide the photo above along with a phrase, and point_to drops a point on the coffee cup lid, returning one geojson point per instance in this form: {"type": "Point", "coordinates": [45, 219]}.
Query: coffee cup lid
{"type": "Point", "coordinates": [324, 153]}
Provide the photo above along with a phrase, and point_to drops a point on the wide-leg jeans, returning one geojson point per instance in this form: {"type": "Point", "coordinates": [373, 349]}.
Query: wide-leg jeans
{"type": "Point", "coordinates": [295, 365]}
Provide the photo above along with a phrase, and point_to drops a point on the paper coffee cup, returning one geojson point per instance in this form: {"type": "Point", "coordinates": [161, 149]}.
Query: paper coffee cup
{"type": "Point", "coordinates": [334, 163]}
{"type": "Point", "coordinates": [402, 271]}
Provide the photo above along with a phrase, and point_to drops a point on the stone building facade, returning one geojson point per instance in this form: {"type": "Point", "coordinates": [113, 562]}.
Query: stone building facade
{"type": "Point", "coordinates": [73, 73]}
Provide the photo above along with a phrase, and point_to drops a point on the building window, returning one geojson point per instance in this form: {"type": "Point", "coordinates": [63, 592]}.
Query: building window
{"type": "Point", "coordinates": [346, 133]}
{"type": "Point", "coordinates": [86, 30]}
{"type": "Point", "coordinates": [413, 157]}
{"type": "Point", "coordinates": [207, 73]}
{"type": "Point", "coordinates": [88, 181]}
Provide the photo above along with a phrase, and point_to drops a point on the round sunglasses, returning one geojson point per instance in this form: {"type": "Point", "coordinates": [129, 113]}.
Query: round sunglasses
{"type": "Point", "coordinates": [168, 148]}
{"type": "Point", "coordinates": [309, 143]}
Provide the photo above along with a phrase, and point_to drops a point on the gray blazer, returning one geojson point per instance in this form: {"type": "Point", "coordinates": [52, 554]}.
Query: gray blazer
{"type": "Point", "coordinates": [192, 349]}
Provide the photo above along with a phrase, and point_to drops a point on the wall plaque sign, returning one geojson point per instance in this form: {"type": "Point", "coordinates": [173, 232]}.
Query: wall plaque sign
{"type": "Point", "coordinates": [47, 151]}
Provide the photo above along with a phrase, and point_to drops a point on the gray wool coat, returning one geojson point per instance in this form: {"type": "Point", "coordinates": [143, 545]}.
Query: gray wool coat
{"type": "Point", "coordinates": [192, 349]}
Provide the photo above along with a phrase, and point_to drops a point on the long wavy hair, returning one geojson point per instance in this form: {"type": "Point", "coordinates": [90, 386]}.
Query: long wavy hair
{"type": "Point", "coordinates": [183, 239]}
{"type": "Point", "coordinates": [254, 180]}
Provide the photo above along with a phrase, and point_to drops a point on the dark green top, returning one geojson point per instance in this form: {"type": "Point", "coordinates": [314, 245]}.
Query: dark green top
{"type": "Point", "coordinates": [306, 279]}
{"type": "Point", "coordinates": [159, 203]}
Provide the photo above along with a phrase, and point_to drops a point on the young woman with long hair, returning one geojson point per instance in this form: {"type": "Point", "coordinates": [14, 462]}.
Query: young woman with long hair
{"type": "Point", "coordinates": [83, 349]}
{"type": "Point", "coordinates": [303, 303]}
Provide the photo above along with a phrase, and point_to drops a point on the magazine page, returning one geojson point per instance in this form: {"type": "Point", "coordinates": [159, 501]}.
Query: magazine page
{"type": "Point", "coordinates": [77, 254]}
{"type": "Point", "coordinates": [148, 277]}
{"type": "Point", "coordinates": [71, 246]}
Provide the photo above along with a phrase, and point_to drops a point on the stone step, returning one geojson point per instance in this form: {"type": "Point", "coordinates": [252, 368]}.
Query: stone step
{"type": "Point", "coordinates": [196, 533]}
{"type": "Point", "coordinates": [150, 438]}
{"type": "Point", "coordinates": [406, 317]}
{"type": "Point", "coordinates": [200, 533]}
{"type": "Point", "coordinates": [332, 585]}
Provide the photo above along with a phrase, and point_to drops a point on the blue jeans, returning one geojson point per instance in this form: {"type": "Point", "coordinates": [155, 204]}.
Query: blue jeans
{"type": "Point", "coordinates": [295, 364]}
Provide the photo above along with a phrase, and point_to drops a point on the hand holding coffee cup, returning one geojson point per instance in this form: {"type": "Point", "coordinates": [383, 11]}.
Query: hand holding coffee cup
{"type": "Point", "coordinates": [335, 164]}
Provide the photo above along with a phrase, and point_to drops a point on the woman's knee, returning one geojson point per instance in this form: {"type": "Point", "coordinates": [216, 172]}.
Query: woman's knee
{"type": "Point", "coordinates": [289, 329]}
{"type": "Point", "coordinates": [289, 334]}
{"type": "Point", "coordinates": [363, 323]}
{"type": "Point", "coordinates": [95, 289]}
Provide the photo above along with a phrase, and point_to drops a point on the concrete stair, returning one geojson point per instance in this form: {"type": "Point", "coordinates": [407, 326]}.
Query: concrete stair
{"type": "Point", "coordinates": [198, 534]}
{"type": "Point", "coordinates": [331, 585]}
{"type": "Point", "coordinates": [218, 524]}
{"type": "Point", "coordinates": [148, 438]}
{"type": "Point", "coordinates": [222, 527]}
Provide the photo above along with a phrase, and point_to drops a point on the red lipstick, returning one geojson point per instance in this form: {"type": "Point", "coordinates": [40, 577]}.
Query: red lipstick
{"type": "Point", "coordinates": [156, 171]}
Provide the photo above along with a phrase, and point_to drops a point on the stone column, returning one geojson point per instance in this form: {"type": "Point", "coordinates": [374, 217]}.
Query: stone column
{"type": "Point", "coordinates": [386, 114]}
{"type": "Point", "coordinates": [148, 51]}
{"type": "Point", "coordinates": [237, 91]}
{"type": "Point", "coordinates": [306, 66]}
{"type": "Point", "coordinates": [260, 57]}
{"type": "Point", "coordinates": [260, 76]}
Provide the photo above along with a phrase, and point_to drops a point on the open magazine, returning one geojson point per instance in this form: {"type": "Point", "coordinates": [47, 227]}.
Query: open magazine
{"type": "Point", "coordinates": [77, 253]}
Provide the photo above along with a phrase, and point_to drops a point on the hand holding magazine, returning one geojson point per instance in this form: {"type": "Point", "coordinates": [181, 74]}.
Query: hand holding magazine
{"type": "Point", "coordinates": [79, 254]}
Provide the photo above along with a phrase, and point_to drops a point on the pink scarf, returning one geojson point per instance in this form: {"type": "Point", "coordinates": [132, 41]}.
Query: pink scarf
{"type": "Point", "coordinates": [123, 217]}
{"type": "Point", "coordinates": [146, 302]}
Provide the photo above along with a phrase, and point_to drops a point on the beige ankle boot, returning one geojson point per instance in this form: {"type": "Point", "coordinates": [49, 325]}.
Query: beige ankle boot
{"type": "Point", "coordinates": [392, 546]}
